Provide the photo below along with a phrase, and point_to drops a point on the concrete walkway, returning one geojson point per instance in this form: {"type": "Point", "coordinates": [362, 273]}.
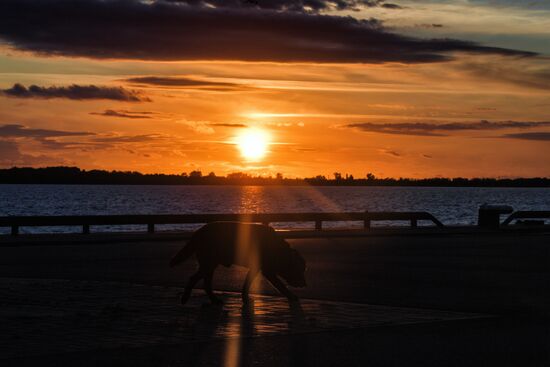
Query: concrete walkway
{"type": "Point", "coordinates": [117, 305]}
{"type": "Point", "coordinates": [47, 317]}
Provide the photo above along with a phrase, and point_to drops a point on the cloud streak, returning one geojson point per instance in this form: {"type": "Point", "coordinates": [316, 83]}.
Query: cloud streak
{"type": "Point", "coordinates": [532, 4]}
{"type": "Point", "coordinates": [305, 6]}
{"type": "Point", "coordinates": [160, 30]}
{"type": "Point", "coordinates": [11, 155]}
{"type": "Point", "coordinates": [442, 129]}
{"type": "Point", "coordinates": [391, 153]}
{"type": "Point", "coordinates": [145, 138]}
{"type": "Point", "coordinates": [538, 136]}
{"type": "Point", "coordinates": [228, 125]}
{"type": "Point", "coordinates": [48, 138]}
{"type": "Point", "coordinates": [521, 75]}
{"type": "Point", "coordinates": [186, 83]}
{"type": "Point", "coordinates": [20, 131]}
{"type": "Point", "coordinates": [124, 114]}
{"type": "Point", "coordinates": [75, 92]}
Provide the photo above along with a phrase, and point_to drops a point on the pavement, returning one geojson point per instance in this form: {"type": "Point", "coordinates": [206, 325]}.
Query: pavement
{"type": "Point", "coordinates": [487, 273]}
{"type": "Point", "coordinates": [435, 300]}
{"type": "Point", "coordinates": [47, 322]}
{"type": "Point", "coordinates": [43, 318]}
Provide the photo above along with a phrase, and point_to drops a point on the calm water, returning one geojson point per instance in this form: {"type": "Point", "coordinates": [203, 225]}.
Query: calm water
{"type": "Point", "coordinates": [450, 205]}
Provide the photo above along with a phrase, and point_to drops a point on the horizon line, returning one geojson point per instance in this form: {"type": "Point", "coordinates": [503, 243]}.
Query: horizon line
{"type": "Point", "coordinates": [240, 175]}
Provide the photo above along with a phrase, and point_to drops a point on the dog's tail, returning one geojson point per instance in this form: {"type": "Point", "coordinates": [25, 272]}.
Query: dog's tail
{"type": "Point", "coordinates": [185, 253]}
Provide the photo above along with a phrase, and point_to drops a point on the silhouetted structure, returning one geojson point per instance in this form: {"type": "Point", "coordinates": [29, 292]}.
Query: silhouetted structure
{"type": "Point", "coordinates": [75, 175]}
{"type": "Point", "coordinates": [86, 221]}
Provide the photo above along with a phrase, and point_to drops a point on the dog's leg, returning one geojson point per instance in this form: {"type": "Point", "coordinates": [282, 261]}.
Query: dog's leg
{"type": "Point", "coordinates": [252, 273]}
{"type": "Point", "coordinates": [281, 287]}
{"type": "Point", "coordinates": [190, 284]}
{"type": "Point", "coordinates": [208, 287]}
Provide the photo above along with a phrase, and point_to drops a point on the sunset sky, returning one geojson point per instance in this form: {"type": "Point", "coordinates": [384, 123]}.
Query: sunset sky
{"type": "Point", "coordinates": [411, 88]}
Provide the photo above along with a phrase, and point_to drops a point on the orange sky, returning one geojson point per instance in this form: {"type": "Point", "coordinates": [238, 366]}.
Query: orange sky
{"type": "Point", "coordinates": [471, 115]}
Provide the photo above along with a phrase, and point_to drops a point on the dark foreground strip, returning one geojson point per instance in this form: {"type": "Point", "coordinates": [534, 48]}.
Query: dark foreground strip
{"type": "Point", "coordinates": [50, 317]}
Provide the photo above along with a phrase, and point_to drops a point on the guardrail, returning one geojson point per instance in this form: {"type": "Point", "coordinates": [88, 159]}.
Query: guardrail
{"type": "Point", "coordinates": [532, 214]}
{"type": "Point", "coordinates": [15, 222]}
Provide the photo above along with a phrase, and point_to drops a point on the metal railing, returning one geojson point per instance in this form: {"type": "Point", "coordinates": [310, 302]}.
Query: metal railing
{"type": "Point", "coordinates": [15, 222]}
{"type": "Point", "coordinates": [531, 214]}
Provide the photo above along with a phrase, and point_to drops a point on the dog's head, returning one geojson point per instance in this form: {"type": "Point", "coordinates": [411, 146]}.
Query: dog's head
{"type": "Point", "coordinates": [294, 273]}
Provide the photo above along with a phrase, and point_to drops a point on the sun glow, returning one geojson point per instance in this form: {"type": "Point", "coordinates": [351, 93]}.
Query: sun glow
{"type": "Point", "coordinates": [253, 144]}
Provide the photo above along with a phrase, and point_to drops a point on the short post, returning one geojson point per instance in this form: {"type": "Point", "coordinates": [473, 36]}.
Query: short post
{"type": "Point", "coordinates": [318, 225]}
{"type": "Point", "coordinates": [414, 222]}
{"type": "Point", "coordinates": [86, 229]}
{"type": "Point", "coordinates": [489, 215]}
{"type": "Point", "coordinates": [150, 228]}
{"type": "Point", "coordinates": [14, 230]}
{"type": "Point", "coordinates": [366, 223]}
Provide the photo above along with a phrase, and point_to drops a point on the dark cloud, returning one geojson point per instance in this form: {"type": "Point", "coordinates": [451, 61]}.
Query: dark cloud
{"type": "Point", "coordinates": [228, 125]}
{"type": "Point", "coordinates": [306, 6]}
{"type": "Point", "coordinates": [426, 25]}
{"type": "Point", "coordinates": [11, 155]}
{"type": "Point", "coordinates": [540, 136]}
{"type": "Point", "coordinates": [304, 149]}
{"type": "Point", "coordinates": [52, 143]}
{"type": "Point", "coordinates": [160, 30]}
{"type": "Point", "coordinates": [185, 82]}
{"type": "Point", "coordinates": [46, 137]}
{"type": "Point", "coordinates": [520, 75]}
{"type": "Point", "coordinates": [9, 152]}
{"type": "Point", "coordinates": [393, 153]}
{"type": "Point", "coordinates": [20, 131]}
{"type": "Point", "coordinates": [442, 129]}
{"type": "Point", "coordinates": [391, 6]}
{"type": "Point", "coordinates": [76, 92]}
{"type": "Point", "coordinates": [531, 4]}
{"type": "Point", "coordinates": [124, 114]}
{"type": "Point", "coordinates": [14, 136]}
{"type": "Point", "coordinates": [128, 138]}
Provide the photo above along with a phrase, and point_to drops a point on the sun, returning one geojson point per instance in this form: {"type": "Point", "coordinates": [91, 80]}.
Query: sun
{"type": "Point", "coordinates": [253, 144]}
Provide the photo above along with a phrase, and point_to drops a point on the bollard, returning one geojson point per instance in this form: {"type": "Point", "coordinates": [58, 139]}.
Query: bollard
{"type": "Point", "coordinates": [489, 215]}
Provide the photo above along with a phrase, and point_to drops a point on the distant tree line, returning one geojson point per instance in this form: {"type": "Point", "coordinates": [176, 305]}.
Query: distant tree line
{"type": "Point", "coordinates": [75, 175]}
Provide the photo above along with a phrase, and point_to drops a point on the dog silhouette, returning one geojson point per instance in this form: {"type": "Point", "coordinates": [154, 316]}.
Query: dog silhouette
{"type": "Point", "coordinates": [255, 246]}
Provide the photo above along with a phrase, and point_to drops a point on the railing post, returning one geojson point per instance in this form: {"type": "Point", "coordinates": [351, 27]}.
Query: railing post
{"type": "Point", "coordinates": [414, 222]}
{"type": "Point", "coordinates": [366, 223]}
{"type": "Point", "coordinates": [151, 228]}
{"type": "Point", "coordinates": [318, 225]}
{"type": "Point", "coordinates": [14, 230]}
{"type": "Point", "coordinates": [86, 229]}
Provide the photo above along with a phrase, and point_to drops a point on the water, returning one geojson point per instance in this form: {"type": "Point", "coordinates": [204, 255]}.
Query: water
{"type": "Point", "coordinates": [448, 204]}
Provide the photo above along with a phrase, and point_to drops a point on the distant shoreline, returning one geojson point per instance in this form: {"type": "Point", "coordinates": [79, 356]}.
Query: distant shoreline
{"type": "Point", "coordinates": [76, 176]}
{"type": "Point", "coordinates": [299, 184]}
